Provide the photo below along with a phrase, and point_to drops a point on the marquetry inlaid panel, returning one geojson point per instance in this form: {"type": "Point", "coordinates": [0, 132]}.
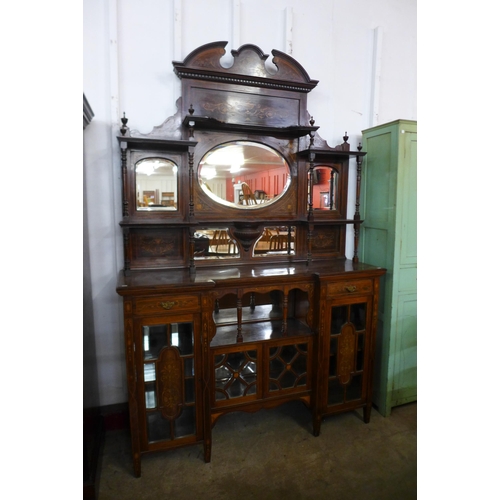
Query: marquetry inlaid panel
{"type": "Point", "coordinates": [170, 383]}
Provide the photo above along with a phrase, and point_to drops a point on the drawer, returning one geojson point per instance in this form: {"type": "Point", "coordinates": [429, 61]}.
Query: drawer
{"type": "Point", "coordinates": [167, 304]}
{"type": "Point", "coordinates": [351, 287]}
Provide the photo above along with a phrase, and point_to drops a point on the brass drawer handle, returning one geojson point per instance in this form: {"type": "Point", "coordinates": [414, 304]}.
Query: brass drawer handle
{"type": "Point", "coordinates": [168, 305]}
{"type": "Point", "coordinates": [350, 288]}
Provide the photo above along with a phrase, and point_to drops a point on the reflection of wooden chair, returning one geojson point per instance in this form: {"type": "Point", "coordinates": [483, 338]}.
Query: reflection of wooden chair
{"type": "Point", "coordinates": [278, 242]}
{"type": "Point", "coordinates": [149, 197]}
{"type": "Point", "coordinates": [222, 243]}
{"type": "Point", "coordinates": [248, 196]}
{"type": "Point", "coordinates": [167, 199]}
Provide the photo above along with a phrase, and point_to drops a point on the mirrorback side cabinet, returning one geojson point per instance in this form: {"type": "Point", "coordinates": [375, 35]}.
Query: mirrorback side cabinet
{"type": "Point", "coordinates": [236, 288]}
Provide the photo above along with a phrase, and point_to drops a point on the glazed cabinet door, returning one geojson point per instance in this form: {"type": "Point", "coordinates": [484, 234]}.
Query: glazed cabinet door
{"type": "Point", "coordinates": [345, 381]}
{"type": "Point", "coordinates": [348, 354]}
{"type": "Point", "coordinates": [168, 395]}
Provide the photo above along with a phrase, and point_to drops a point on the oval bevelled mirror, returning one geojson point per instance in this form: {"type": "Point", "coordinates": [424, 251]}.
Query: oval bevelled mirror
{"type": "Point", "coordinates": [244, 174]}
{"type": "Point", "coordinates": [156, 184]}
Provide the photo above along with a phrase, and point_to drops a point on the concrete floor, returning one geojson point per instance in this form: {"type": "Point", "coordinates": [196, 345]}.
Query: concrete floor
{"type": "Point", "coordinates": [272, 454]}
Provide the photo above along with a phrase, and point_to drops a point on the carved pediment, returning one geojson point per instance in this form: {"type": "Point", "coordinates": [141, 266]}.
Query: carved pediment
{"type": "Point", "coordinates": [248, 68]}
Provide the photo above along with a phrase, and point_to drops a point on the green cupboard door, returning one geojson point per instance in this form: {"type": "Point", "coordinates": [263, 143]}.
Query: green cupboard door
{"type": "Point", "coordinates": [388, 238]}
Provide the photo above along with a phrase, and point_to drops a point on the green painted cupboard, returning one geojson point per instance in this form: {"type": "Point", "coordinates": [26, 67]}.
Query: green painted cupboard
{"type": "Point", "coordinates": [388, 238]}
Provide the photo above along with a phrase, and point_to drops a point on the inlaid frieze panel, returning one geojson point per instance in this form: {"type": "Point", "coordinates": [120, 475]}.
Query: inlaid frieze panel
{"type": "Point", "coordinates": [247, 109]}
{"type": "Point", "coordinates": [156, 247]}
{"type": "Point", "coordinates": [326, 239]}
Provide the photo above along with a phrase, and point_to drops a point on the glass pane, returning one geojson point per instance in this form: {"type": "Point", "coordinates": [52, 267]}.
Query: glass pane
{"type": "Point", "coordinates": [154, 339]}
{"type": "Point", "coordinates": [150, 395]}
{"type": "Point", "coordinates": [222, 375]}
{"type": "Point", "coordinates": [189, 390]}
{"type": "Point", "coordinates": [236, 389]}
{"type": "Point", "coordinates": [287, 380]}
{"type": "Point", "coordinates": [156, 185]}
{"type": "Point", "coordinates": [149, 372]}
{"type": "Point", "coordinates": [185, 423]}
{"type": "Point", "coordinates": [235, 359]}
{"type": "Point", "coordinates": [288, 367]}
{"type": "Point", "coordinates": [299, 365]}
{"type": "Point", "coordinates": [358, 316]}
{"type": "Point", "coordinates": [353, 390]}
{"type": "Point", "coordinates": [361, 352]}
{"type": "Point", "coordinates": [287, 353]}
{"type": "Point", "coordinates": [333, 357]}
{"type": "Point", "coordinates": [235, 375]}
{"type": "Point", "coordinates": [182, 338]}
{"type": "Point", "coordinates": [188, 367]}
{"type": "Point", "coordinates": [276, 367]}
{"type": "Point", "coordinates": [244, 175]}
{"type": "Point", "coordinates": [335, 392]}
{"type": "Point", "coordinates": [339, 317]}
{"type": "Point", "coordinates": [249, 370]}
{"type": "Point", "coordinates": [158, 427]}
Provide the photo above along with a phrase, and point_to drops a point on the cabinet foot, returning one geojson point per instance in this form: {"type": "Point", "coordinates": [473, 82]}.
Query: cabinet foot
{"type": "Point", "coordinates": [316, 426]}
{"type": "Point", "coordinates": [366, 413]}
{"type": "Point", "coordinates": [208, 451]}
{"type": "Point", "coordinates": [137, 465]}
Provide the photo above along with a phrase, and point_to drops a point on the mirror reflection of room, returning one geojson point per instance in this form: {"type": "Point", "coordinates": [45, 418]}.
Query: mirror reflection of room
{"type": "Point", "coordinates": [244, 174]}
{"type": "Point", "coordinates": [324, 183]}
{"type": "Point", "coordinates": [278, 240]}
{"type": "Point", "coordinates": [214, 243]}
{"type": "Point", "coordinates": [156, 184]}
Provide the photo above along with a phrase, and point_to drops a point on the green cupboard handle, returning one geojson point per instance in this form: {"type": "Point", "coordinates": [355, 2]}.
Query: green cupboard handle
{"type": "Point", "coordinates": [350, 288]}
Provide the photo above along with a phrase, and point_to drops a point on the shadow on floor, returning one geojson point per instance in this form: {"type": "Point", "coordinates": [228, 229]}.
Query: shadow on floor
{"type": "Point", "coordinates": [273, 455]}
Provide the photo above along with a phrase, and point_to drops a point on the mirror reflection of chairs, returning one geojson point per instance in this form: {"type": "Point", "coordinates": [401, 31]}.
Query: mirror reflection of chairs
{"type": "Point", "coordinates": [248, 196]}
{"type": "Point", "coordinates": [167, 199]}
{"type": "Point", "coordinates": [221, 243]}
{"type": "Point", "coordinates": [278, 242]}
{"type": "Point", "coordinates": [279, 239]}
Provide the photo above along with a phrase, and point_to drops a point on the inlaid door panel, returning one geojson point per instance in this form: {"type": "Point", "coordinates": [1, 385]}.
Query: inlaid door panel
{"type": "Point", "coordinates": [167, 380]}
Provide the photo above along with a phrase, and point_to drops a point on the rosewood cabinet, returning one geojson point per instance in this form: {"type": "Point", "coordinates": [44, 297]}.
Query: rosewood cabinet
{"type": "Point", "coordinates": [237, 291]}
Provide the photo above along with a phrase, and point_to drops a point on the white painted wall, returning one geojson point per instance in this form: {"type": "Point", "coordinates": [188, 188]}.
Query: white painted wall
{"type": "Point", "coordinates": [363, 52]}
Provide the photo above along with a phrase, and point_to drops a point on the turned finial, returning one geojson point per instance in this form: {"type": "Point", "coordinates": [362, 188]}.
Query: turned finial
{"type": "Point", "coordinates": [311, 133]}
{"type": "Point", "coordinates": [124, 128]}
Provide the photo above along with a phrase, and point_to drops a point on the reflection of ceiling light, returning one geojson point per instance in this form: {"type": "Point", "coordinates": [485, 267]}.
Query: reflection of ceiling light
{"type": "Point", "coordinates": [150, 166]}
{"type": "Point", "coordinates": [227, 156]}
{"type": "Point", "coordinates": [235, 168]}
{"type": "Point", "coordinates": [208, 172]}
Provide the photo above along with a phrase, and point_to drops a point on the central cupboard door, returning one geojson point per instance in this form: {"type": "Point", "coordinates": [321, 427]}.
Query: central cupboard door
{"type": "Point", "coordinates": [250, 372]}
